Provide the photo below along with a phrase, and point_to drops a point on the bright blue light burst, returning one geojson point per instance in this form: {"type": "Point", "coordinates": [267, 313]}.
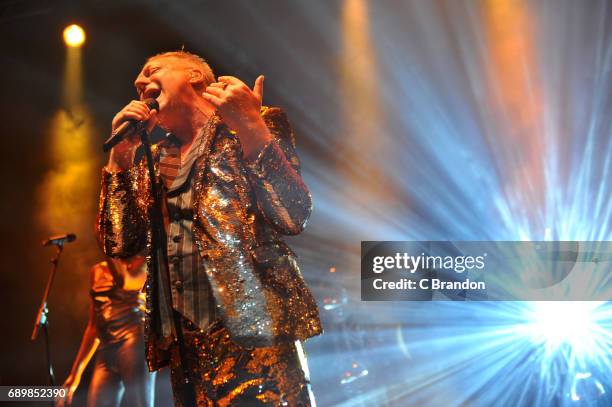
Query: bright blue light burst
{"type": "Point", "coordinates": [450, 161]}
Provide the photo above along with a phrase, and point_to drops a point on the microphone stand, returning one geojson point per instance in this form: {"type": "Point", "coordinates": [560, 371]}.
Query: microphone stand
{"type": "Point", "coordinates": [159, 259]}
{"type": "Point", "coordinates": [42, 318]}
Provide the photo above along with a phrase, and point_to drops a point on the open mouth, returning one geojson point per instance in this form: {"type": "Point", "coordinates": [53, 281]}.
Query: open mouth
{"type": "Point", "coordinates": [151, 93]}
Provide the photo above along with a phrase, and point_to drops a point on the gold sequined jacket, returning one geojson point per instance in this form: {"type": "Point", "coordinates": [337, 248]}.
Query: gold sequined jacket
{"type": "Point", "coordinates": [241, 210]}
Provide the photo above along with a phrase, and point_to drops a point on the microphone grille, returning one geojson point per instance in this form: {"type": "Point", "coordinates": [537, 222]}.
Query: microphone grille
{"type": "Point", "coordinates": [152, 104]}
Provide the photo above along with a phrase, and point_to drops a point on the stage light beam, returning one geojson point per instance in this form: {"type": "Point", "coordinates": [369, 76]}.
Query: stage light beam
{"type": "Point", "coordinates": [74, 36]}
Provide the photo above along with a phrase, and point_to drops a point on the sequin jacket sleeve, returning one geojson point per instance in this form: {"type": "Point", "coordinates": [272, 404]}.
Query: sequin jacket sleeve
{"type": "Point", "coordinates": [282, 196]}
{"type": "Point", "coordinates": [122, 220]}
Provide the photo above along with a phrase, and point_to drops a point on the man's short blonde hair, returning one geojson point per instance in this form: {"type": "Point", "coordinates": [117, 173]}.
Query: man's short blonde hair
{"type": "Point", "coordinates": [193, 59]}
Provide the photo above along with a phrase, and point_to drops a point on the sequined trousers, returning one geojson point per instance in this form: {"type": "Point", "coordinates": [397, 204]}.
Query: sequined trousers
{"type": "Point", "coordinates": [225, 374]}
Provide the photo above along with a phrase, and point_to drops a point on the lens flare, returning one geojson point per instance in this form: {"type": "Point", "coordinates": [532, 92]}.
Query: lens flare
{"type": "Point", "coordinates": [572, 323]}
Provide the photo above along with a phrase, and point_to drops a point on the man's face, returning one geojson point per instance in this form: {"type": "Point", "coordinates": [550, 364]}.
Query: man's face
{"type": "Point", "coordinates": [165, 79]}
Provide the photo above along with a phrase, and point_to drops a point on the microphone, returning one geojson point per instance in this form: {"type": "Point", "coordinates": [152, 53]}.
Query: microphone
{"type": "Point", "coordinates": [59, 239]}
{"type": "Point", "coordinates": [128, 127]}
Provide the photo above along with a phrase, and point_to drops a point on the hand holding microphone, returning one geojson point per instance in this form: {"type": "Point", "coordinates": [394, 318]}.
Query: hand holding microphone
{"type": "Point", "coordinates": [127, 124]}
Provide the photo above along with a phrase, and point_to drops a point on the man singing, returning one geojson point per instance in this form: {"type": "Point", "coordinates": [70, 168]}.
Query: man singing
{"type": "Point", "coordinates": [230, 319]}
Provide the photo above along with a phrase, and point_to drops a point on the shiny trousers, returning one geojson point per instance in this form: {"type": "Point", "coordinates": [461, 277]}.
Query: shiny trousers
{"type": "Point", "coordinates": [120, 371]}
{"type": "Point", "coordinates": [225, 374]}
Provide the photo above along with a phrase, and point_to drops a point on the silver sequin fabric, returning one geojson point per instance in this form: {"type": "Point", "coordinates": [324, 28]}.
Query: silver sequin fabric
{"type": "Point", "coordinates": [241, 210]}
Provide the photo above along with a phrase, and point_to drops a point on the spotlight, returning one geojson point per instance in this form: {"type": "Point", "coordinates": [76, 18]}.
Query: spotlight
{"type": "Point", "coordinates": [74, 36]}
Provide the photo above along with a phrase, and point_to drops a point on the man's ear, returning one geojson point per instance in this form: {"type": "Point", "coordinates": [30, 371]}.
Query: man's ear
{"type": "Point", "coordinates": [196, 77]}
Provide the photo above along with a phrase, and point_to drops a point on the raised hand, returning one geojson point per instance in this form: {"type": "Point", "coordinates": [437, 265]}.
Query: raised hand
{"type": "Point", "coordinates": [239, 106]}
